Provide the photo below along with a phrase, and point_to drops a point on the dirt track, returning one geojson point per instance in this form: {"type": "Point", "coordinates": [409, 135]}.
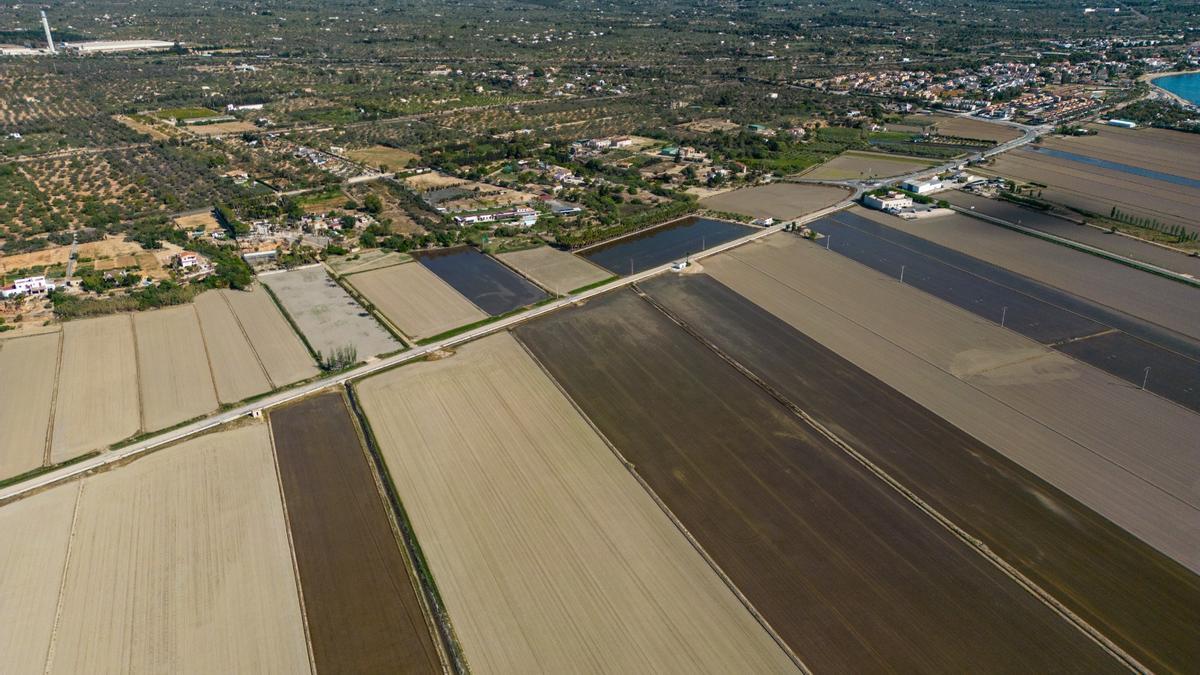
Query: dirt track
{"type": "Point", "coordinates": [852, 576]}
{"type": "Point", "coordinates": [363, 610]}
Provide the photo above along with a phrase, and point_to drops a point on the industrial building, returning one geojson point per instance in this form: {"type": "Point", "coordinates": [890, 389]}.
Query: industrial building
{"type": "Point", "coordinates": [83, 48]}
{"type": "Point", "coordinates": [922, 186]}
{"type": "Point", "coordinates": [892, 201]}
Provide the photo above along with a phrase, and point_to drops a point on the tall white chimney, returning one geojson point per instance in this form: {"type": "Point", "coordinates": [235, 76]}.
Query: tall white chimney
{"type": "Point", "coordinates": [46, 25]}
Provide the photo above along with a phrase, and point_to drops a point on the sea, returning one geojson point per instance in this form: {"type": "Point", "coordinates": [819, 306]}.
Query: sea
{"type": "Point", "coordinates": [1186, 85]}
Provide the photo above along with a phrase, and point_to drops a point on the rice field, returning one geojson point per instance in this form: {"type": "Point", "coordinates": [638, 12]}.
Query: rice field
{"type": "Point", "coordinates": [967, 127]}
{"type": "Point", "coordinates": [548, 555]}
{"type": "Point", "coordinates": [782, 201]}
{"type": "Point", "coordinates": [176, 383]}
{"type": "Point", "coordinates": [236, 370]}
{"type": "Point", "coordinates": [329, 318]}
{"type": "Point", "coordinates": [28, 370]}
{"type": "Point", "coordinates": [179, 562]}
{"type": "Point", "coordinates": [97, 402]}
{"type": "Point", "coordinates": [416, 300]}
{"type": "Point", "coordinates": [856, 165]}
{"type": "Point", "coordinates": [553, 269]}
{"type": "Point", "coordinates": [279, 349]}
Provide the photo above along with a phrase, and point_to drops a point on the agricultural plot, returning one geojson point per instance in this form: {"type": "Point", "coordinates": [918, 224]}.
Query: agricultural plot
{"type": "Point", "coordinates": [1116, 582]}
{"type": "Point", "coordinates": [1097, 190]}
{"type": "Point", "coordinates": [661, 245]}
{"type": "Point", "coordinates": [236, 371]}
{"type": "Point", "coordinates": [548, 555]}
{"type": "Point", "coordinates": [967, 127]}
{"type": "Point", "coordinates": [1120, 452]}
{"type": "Point", "coordinates": [379, 156]}
{"type": "Point", "coordinates": [329, 318]}
{"type": "Point", "coordinates": [556, 270]}
{"type": "Point", "coordinates": [28, 370]}
{"type": "Point", "coordinates": [850, 573]}
{"type": "Point", "coordinates": [361, 599]}
{"type": "Point", "coordinates": [857, 165]}
{"type": "Point", "coordinates": [1157, 299]}
{"type": "Point", "coordinates": [180, 562]}
{"type": "Point", "coordinates": [1173, 152]}
{"type": "Point", "coordinates": [97, 402]}
{"type": "Point", "coordinates": [36, 532]}
{"type": "Point", "coordinates": [781, 201]}
{"type": "Point", "coordinates": [279, 349]}
{"type": "Point", "coordinates": [1039, 311]}
{"type": "Point", "coordinates": [491, 286]}
{"type": "Point", "coordinates": [176, 382]}
{"type": "Point", "coordinates": [416, 300]}
{"type": "Point", "coordinates": [366, 260]}
{"type": "Point", "coordinates": [1060, 227]}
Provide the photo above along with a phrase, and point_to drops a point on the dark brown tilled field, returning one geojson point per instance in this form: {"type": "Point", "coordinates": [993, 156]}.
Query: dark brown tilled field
{"type": "Point", "coordinates": [363, 611]}
{"type": "Point", "coordinates": [851, 575]}
{"type": "Point", "coordinates": [1140, 599]}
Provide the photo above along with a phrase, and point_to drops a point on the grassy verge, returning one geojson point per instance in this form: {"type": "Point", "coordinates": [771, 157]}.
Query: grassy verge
{"type": "Point", "coordinates": [595, 284]}
{"type": "Point", "coordinates": [46, 469]}
{"type": "Point", "coordinates": [433, 596]}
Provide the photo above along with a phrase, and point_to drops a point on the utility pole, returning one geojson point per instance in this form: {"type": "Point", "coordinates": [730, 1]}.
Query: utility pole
{"type": "Point", "coordinates": [1146, 378]}
{"type": "Point", "coordinates": [902, 274]}
{"type": "Point", "coordinates": [1003, 315]}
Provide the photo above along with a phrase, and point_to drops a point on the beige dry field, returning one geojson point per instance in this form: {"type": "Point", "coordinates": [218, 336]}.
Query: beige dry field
{"type": "Point", "coordinates": [553, 269]}
{"type": "Point", "coordinates": [416, 300]}
{"type": "Point", "coordinates": [431, 180]}
{"type": "Point", "coordinates": [36, 532]}
{"type": "Point", "coordinates": [180, 562]}
{"type": "Point", "coordinates": [1096, 190]}
{"type": "Point", "coordinates": [366, 260]}
{"type": "Point", "coordinates": [279, 349]}
{"type": "Point", "coordinates": [853, 165]}
{"type": "Point", "coordinates": [782, 201]}
{"type": "Point", "coordinates": [966, 127]}
{"type": "Point", "coordinates": [1173, 152]}
{"type": "Point", "coordinates": [97, 402]}
{"type": "Point", "coordinates": [198, 221]}
{"type": "Point", "coordinates": [28, 367]}
{"type": "Point", "coordinates": [707, 126]}
{"type": "Point", "coordinates": [153, 131]}
{"type": "Point", "coordinates": [487, 196]}
{"type": "Point", "coordinates": [549, 555]}
{"type": "Point", "coordinates": [237, 373]}
{"type": "Point", "coordinates": [378, 156]}
{"type": "Point", "coordinates": [176, 382]}
{"type": "Point", "coordinates": [1120, 451]}
{"type": "Point", "coordinates": [220, 128]}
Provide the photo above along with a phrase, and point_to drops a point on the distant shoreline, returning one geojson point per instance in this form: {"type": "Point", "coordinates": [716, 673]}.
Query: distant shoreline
{"type": "Point", "coordinates": [1151, 77]}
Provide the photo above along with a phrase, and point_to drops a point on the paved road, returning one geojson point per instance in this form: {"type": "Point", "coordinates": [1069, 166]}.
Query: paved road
{"type": "Point", "coordinates": [279, 398]}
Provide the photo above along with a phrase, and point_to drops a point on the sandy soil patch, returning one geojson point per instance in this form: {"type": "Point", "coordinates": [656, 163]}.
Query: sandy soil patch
{"type": "Point", "coordinates": [416, 300]}
{"type": "Point", "coordinates": [180, 563]}
{"type": "Point", "coordinates": [782, 201]}
{"type": "Point", "coordinates": [28, 369]}
{"type": "Point", "coordinates": [221, 128]}
{"type": "Point", "coordinates": [198, 221]}
{"type": "Point", "coordinates": [854, 165]}
{"type": "Point", "coordinates": [967, 127]}
{"type": "Point", "coordinates": [35, 532]}
{"type": "Point", "coordinates": [708, 126]}
{"type": "Point", "coordinates": [432, 180]}
{"type": "Point", "coordinates": [173, 372]}
{"type": "Point", "coordinates": [549, 555]}
{"type": "Point", "coordinates": [378, 156]}
{"type": "Point", "coordinates": [58, 255]}
{"type": "Point", "coordinates": [237, 374]}
{"type": "Point", "coordinates": [279, 349]}
{"type": "Point", "coordinates": [556, 270]}
{"type": "Point", "coordinates": [97, 402]}
{"type": "Point", "coordinates": [141, 127]}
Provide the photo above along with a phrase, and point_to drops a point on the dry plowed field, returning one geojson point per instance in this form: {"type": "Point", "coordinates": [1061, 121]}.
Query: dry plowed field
{"type": "Point", "coordinates": [237, 373]}
{"type": "Point", "coordinates": [548, 555]}
{"type": "Point", "coordinates": [35, 532]}
{"type": "Point", "coordinates": [28, 367]}
{"type": "Point", "coordinates": [173, 367]}
{"type": "Point", "coordinates": [1173, 152]}
{"type": "Point", "coordinates": [782, 201]}
{"type": "Point", "coordinates": [329, 318]}
{"type": "Point", "coordinates": [97, 402]}
{"type": "Point", "coordinates": [1118, 583]}
{"type": "Point", "coordinates": [178, 562]}
{"type": "Point", "coordinates": [965, 127]}
{"type": "Point", "coordinates": [553, 269]}
{"type": "Point", "coordinates": [1097, 190]}
{"type": "Point", "coordinates": [360, 597]}
{"type": "Point", "coordinates": [1121, 452]}
{"type": "Point", "coordinates": [853, 576]}
{"type": "Point", "coordinates": [855, 165]}
{"type": "Point", "coordinates": [280, 350]}
{"type": "Point", "coordinates": [415, 300]}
